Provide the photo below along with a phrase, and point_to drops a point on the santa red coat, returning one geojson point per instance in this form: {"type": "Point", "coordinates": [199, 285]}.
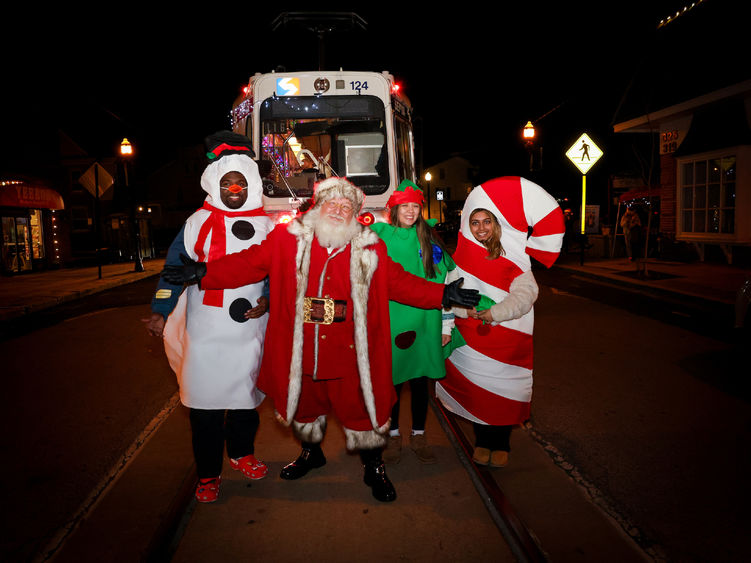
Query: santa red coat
{"type": "Point", "coordinates": [364, 276]}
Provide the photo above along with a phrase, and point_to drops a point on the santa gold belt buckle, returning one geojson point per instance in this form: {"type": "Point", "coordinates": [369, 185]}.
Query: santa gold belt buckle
{"type": "Point", "coordinates": [319, 310]}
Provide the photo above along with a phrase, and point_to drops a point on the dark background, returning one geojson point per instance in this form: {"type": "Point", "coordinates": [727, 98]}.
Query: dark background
{"type": "Point", "coordinates": [166, 77]}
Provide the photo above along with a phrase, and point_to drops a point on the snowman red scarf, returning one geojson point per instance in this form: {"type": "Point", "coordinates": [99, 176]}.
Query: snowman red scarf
{"type": "Point", "coordinates": [215, 225]}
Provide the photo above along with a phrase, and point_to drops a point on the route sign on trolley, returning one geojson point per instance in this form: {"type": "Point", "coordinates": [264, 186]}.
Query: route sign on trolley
{"type": "Point", "coordinates": [584, 153]}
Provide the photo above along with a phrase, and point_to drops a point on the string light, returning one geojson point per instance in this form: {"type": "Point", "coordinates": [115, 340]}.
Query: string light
{"type": "Point", "coordinates": [687, 8]}
{"type": "Point", "coordinates": [54, 239]}
{"type": "Point", "coordinates": [242, 111]}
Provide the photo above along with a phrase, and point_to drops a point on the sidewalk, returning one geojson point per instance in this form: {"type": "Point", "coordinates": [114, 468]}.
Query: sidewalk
{"type": "Point", "coordinates": [708, 281]}
{"type": "Point", "coordinates": [28, 293]}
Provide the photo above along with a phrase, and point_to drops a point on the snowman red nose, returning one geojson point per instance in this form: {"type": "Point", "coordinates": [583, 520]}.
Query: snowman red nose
{"type": "Point", "coordinates": [235, 189]}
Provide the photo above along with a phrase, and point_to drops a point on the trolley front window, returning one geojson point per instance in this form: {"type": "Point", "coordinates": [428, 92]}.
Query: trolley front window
{"type": "Point", "coordinates": [306, 139]}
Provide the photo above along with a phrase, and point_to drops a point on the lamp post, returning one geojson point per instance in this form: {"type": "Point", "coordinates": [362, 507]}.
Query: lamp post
{"type": "Point", "coordinates": [529, 134]}
{"type": "Point", "coordinates": [428, 177]}
{"type": "Point", "coordinates": [126, 152]}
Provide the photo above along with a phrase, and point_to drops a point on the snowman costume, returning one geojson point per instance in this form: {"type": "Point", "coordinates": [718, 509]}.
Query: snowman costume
{"type": "Point", "coordinates": [489, 372]}
{"type": "Point", "coordinates": [214, 350]}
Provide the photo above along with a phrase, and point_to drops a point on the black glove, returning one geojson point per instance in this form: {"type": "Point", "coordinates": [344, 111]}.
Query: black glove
{"type": "Point", "coordinates": [455, 295]}
{"type": "Point", "coordinates": [190, 272]}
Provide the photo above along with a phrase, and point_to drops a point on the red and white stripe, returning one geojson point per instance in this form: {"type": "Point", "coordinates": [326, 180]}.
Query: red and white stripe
{"type": "Point", "coordinates": [490, 379]}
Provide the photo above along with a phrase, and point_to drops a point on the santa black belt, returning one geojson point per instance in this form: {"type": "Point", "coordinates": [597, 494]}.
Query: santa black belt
{"type": "Point", "coordinates": [324, 310]}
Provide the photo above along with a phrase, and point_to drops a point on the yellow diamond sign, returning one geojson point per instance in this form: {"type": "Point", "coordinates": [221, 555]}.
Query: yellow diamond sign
{"type": "Point", "coordinates": [584, 153]}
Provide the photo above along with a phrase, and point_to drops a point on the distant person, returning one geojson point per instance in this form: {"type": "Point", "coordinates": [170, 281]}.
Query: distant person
{"type": "Point", "coordinates": [214, 338]}
{"type": "Point", "coordinates": [416, 334]}
{"type": "Point", "coordinates": [629, 220]}
{"type": "Point", "coordinates": [328, 346]}
{"type": "Point", "coordinates": [489, 372]}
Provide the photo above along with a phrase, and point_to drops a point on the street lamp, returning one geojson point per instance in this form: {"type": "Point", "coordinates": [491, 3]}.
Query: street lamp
{"type": "Point", "coordinates": [126, 152]}
{"type": "Point", "coordinates": [428, 177]}
{"type": "Point", "coordinates": [529, 134]}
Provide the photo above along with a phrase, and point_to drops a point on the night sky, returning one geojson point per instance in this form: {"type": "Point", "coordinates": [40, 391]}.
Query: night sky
{"type": "Point", "coordinates": [167, 78]}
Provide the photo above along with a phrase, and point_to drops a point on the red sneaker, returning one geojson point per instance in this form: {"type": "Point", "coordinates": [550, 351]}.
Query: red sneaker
{"type": "Point", "coordinates": [207, 490]}
{"type": "Point", "coordinates": [250, 467]}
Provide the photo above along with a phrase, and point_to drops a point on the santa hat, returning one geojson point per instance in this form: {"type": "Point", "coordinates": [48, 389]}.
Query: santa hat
{"type": "Point", "coordinates": [406, 192]}
{"type": "Point", "coordinates": [333, 188]}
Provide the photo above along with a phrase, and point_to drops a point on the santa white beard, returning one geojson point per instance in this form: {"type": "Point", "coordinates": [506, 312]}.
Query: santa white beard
{"type": "Point", "coordinates": [331, 234]}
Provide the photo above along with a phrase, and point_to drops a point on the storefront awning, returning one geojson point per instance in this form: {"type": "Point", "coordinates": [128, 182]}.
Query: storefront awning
{"type": "Point", "coordinates": [35, 197]}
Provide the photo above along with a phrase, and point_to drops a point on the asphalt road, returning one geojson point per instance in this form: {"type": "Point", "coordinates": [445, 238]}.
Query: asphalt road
{"type": "Point", "coordinates": [81, 383]}
{"type": "Point", "coordinates": [651, 415]}
{"type": "Point", "coordinates": [638, 399]}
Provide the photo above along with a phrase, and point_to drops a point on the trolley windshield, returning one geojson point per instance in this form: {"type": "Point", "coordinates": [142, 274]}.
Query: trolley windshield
{"type": "Point", "coordinates": [307, 139]}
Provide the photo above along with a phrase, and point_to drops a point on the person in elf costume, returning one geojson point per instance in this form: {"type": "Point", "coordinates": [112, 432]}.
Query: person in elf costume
{"type": "Point", "coordinates": [416, 335]}
{"type": "Point", "coordinates": [489, 371]}
{"type": "Point", "coordinates": [214, 338]}
{"type": "Point", "coordinates": [328, 347]}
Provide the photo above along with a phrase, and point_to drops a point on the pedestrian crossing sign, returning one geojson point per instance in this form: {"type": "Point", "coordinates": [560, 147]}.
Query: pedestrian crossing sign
{"type": "Point", "coordinates": [584, 153]}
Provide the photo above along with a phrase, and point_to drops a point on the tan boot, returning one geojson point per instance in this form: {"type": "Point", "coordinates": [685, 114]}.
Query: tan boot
{"type": "Point", "coordinates": [498, 458]}
{"type": "Point", "coordinates": [481, 456]}
{"type": "Point", "coordinates": [393, 452]}
{"type": "Point", "coordinates": [419, 444]}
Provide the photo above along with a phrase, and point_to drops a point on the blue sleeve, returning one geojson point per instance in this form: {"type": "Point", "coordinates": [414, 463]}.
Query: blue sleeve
{"type": "Point", "coordinates": [166, 295]}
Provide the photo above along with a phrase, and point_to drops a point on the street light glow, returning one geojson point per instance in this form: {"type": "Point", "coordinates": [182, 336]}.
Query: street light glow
{"type": "Point", "coordinates": [126, 149]}
{"type": "Point", "coordinates": [529, 131]}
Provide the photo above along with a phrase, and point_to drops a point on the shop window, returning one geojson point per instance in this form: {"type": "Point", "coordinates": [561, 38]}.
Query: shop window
{"type": "Point", "coordinates": [707, 195]}
{"type": "Point", "coordinates": [37, 234]}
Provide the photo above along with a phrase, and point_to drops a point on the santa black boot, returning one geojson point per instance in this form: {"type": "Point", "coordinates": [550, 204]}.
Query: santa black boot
{"type": "Point", "coordinates": [311, 457]}
{"type": "Point", "coordinates": [375, 475]}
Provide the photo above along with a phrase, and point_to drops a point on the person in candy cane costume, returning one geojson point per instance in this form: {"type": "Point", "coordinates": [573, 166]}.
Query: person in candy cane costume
{"type": "Point", "coordinates": [489, 371]}
{"type": "Point", "coordinates": [214, 339]}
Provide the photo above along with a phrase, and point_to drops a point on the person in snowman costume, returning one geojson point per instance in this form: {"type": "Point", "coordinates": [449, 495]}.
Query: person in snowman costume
{"type": "Point", "coordinates": [214, 338]}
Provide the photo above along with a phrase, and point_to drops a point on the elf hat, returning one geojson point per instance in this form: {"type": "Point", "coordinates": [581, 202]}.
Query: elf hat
{"type": "Point", "coordinates": [406, 192]}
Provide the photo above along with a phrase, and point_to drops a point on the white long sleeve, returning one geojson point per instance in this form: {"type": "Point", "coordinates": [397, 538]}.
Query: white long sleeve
{"type": "Point", "coordinates": [522, 295]}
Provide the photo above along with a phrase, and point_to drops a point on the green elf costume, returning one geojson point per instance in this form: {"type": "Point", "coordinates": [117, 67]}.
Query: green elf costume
{"type": "Point", "coordinates": [417, 352]}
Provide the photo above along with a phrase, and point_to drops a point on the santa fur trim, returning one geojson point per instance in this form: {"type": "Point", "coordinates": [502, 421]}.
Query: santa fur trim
{"type": "Point", "coordinates": [363, 264]}
{"type": "Point", "coordinates": [332, 188]}
{"type": "Point", "coordinates": [312, 432]}
{"type": "Point", "coordinates": [366, 439]}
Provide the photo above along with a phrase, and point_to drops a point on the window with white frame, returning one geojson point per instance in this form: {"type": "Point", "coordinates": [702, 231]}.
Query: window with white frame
{"type": "Point", "coordinates": [708, 195]}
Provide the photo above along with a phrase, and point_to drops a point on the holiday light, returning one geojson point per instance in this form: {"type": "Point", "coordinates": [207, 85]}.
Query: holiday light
{"type": "Point", "coordinates": [685, 9]}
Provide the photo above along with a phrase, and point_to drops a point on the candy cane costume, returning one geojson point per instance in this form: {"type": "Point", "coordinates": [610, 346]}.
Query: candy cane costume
{"type": "Point", "coordinates": [489, 380]}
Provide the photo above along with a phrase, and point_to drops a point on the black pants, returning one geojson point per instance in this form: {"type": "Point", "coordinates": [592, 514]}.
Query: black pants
{"type": "Point", "coordinates": [492, 437]}
{"type": "Point", "coordinates": [211, 431]}
{"type": "Point", "coordinates": [419, 389]}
